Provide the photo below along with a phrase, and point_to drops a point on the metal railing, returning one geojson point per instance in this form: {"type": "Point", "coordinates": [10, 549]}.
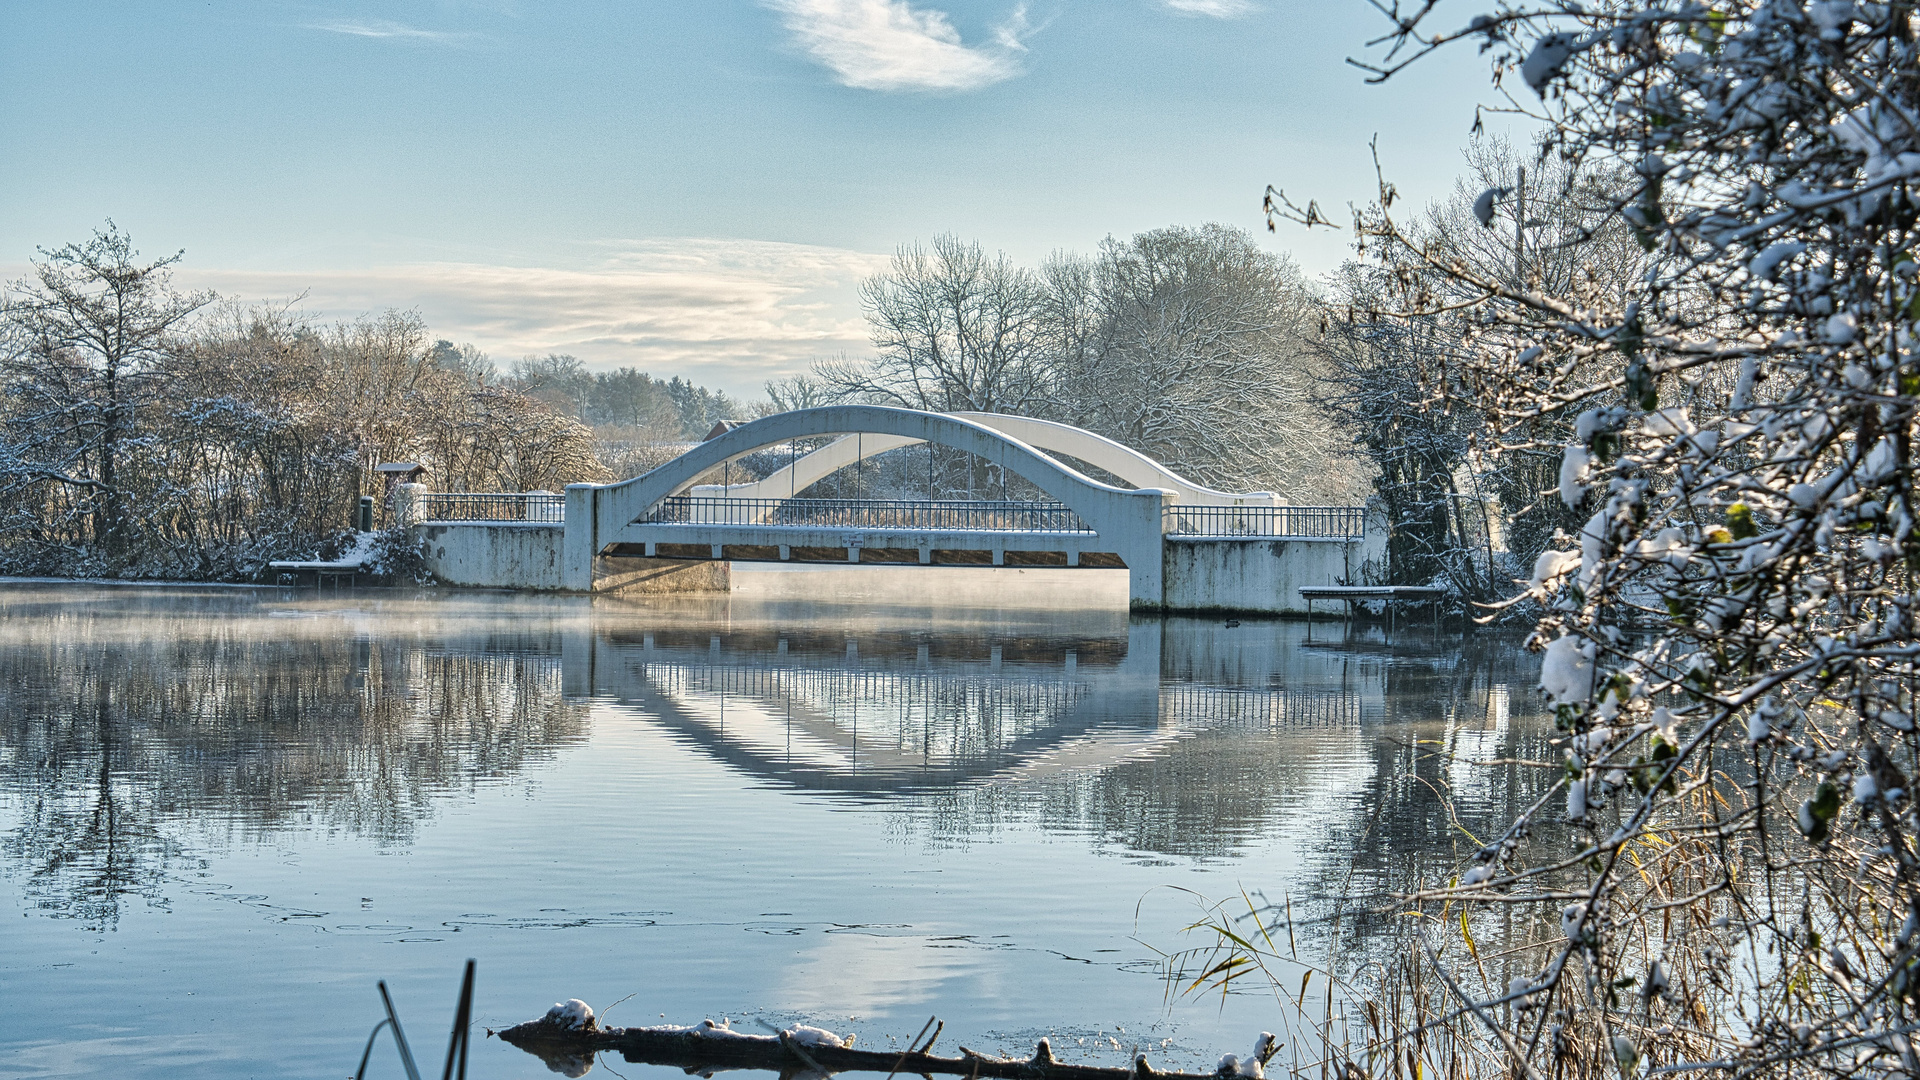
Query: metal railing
{"type": "Point", "coordinates": [538, 506]}
{"type": "Point", "coordinates": [1325, 522]}
{"type": "Point", "coordinates": [952, 516]}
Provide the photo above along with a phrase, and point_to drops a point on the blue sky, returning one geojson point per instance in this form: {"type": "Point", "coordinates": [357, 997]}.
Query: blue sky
{"type": "Point", "coordinates": [692, 187]}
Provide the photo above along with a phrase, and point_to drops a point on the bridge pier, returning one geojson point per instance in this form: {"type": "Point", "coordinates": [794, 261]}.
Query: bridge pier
{"type": "Point", "coordinates": [580, 542]}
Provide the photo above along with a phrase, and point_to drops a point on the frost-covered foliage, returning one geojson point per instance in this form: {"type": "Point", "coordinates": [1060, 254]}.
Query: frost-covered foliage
{"type": "Point", "coordinates": [1398, 335]}
{"type": "Point", "coordinates": [1192, 347]}
{"type": "Point", "coordinates": [395, 555]}
{"type": "Point", "coordinates": [1729, 635]}
{"type": "Point", "coordinates": [145, 434]}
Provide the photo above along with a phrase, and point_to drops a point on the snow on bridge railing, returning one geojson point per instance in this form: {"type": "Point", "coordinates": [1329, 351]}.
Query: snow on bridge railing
{"type": "Point", "coordinates": [938, 516]}
{"type": "Point", "coordinates": [1234, 522]}
{"type": "Point", "coordinates": [540, 506]}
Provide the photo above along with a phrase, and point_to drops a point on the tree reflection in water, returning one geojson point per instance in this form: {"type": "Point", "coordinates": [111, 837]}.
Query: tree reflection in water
{"type": "Point", "coordinates": [133, 733]}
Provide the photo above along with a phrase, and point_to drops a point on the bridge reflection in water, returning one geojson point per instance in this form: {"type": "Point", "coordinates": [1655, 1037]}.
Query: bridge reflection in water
{"type": "Point", "coordinates": [878, 711]}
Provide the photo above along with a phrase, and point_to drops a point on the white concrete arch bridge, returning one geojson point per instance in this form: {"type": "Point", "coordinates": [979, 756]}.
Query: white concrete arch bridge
{"type": "Point", "coordinates": [1183, 545]}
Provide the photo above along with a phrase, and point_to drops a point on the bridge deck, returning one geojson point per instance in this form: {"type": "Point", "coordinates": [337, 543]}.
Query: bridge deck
{"type": "Point", "coordinates": [928, 546]}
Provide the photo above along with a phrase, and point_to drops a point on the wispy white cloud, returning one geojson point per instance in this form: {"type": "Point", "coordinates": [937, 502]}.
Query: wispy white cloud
{"type": "Point", "coordinates": [725, 313]}
{"type": "Point", "coordinates": [893, 45]}
{"type": "Point", "coordinates": [382, 28]}
{"type": "Point", "coordinates": [1213, 9]}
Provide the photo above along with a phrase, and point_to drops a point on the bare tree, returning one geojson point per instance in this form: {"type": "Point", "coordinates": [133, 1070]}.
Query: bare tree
{"type": "Point", "coordinates": [953, 330]}
{"type": "Point", "coordinates": [798, 392]}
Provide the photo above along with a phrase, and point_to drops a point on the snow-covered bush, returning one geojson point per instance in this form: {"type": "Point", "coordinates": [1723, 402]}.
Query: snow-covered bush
{"type": "Point", "coordinates": [1728, 639]}
{"type": "Point", "coordinates": [397, 557]}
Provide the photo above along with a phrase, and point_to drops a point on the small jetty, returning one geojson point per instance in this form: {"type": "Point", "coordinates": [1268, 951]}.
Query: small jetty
{"type": "Point", "coordinates": [1389, 595]}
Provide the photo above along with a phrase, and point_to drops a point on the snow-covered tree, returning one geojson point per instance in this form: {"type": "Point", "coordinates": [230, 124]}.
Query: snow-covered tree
{"type": "Point", "coordinates": [1392, 375]}
{"type": "Point", "coordinates": [84, 338]}
{"type": "Point", "coordinates": [1383, 384]}
{"type": "Point", "coordinates": [1729, 636]}
{"type": "Point", "coordinates": [1194, 352]}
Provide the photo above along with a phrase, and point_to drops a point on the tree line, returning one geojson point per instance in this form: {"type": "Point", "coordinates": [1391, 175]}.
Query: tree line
{"type": "Point", "coordinates": [152, 432]}
{"type": "Point", "coordinates": [147, 431]}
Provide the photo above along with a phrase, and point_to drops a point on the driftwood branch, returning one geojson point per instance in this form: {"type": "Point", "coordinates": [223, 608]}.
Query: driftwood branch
{"type": "Point", "coordinates": [703, 1049]}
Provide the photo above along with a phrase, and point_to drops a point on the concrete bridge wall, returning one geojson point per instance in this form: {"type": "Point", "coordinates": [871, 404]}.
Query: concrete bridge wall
{"type": "Point", "coordinates": [493, 554]}
{"type": "Point", "coordinates": [968, 587]}
{"type": "Point", "coordinates": [1253, 576]}
{"type": "Point", "coordinates": [522, 555]}
{"type": "Point", "coordinates": [1264, 575]}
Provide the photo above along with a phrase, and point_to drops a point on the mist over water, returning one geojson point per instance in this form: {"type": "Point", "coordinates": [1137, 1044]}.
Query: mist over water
{"type": "Point", "coordinates": [225, 813]}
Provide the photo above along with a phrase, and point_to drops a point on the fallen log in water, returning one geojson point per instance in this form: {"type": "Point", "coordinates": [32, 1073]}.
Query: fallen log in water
{"type": "Point", "coordinates": [568, 1037]}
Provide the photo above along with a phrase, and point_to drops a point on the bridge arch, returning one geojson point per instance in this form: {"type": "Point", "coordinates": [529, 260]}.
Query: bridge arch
{"type": "Point", "coordinates": [1127, 521]}
{"type": "Point", "coordinates": [1113, 457]}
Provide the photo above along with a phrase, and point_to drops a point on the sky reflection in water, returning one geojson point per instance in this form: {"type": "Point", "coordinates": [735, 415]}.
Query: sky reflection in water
{"type": "Point", "coordinates": [225, 813]}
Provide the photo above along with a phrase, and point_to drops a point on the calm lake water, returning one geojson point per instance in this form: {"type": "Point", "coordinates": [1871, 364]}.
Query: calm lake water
{"type": "Point", "coordinates": [225, 813]}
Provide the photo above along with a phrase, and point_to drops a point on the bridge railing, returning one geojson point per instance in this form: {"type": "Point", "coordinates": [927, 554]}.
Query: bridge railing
{"type": "Point", "coordinates": [538, 506]}
{"type": "Point", "coordinates": [1318, 522]}
{"type": "Point", "coordinates": [939, 516]}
